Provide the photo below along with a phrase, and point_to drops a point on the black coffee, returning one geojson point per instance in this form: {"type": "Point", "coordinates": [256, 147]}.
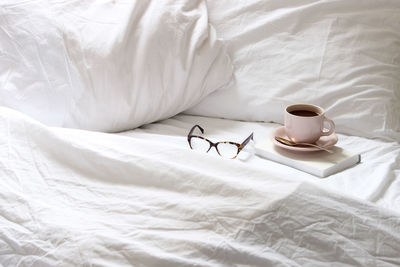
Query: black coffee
{"type": "Point", "coordinates": [304, 113]}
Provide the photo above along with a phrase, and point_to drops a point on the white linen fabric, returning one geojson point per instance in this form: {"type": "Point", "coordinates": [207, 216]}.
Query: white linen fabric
{"type": "Point", "coordinates": [107, 65]}
{"type": "Point", "coordinates": [78, 198]}
{"type": "Point", "coordinates": [376, 179]}
{"type": "Point", "coordinates": [341, 55]}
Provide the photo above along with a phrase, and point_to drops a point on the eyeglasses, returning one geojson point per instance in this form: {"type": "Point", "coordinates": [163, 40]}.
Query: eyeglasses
{"type": "Point", "coordinates": [225, 149]}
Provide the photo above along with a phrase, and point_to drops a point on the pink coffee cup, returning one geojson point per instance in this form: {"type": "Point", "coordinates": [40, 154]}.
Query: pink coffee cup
{"type": "Point", "coordinates": [304, 123]}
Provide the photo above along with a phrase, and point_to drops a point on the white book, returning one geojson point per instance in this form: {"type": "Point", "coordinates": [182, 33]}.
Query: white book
{"type": "Point", "coordinates": [319, 163]}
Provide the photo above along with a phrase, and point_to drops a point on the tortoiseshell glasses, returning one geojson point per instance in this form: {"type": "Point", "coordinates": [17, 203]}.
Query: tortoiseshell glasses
{"type": "Point", "coordinates": [225, 149]}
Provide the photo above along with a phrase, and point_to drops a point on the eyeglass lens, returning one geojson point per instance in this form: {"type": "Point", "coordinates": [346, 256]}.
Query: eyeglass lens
{"type": "Point", "coordinates": [225, 150]}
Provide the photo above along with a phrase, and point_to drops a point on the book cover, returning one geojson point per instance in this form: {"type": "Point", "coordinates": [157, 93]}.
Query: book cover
{"type": "Point", "coordinates": [319, 163]}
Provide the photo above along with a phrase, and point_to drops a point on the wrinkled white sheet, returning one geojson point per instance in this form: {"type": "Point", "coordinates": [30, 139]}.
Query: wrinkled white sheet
{"type": "Point", "coordinates": [376, 179]}
{"type": "Point", "coordinates": [79, 198]}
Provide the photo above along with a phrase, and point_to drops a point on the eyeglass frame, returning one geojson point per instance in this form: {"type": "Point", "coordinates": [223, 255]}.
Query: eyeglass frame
{"type": "Point", "coordinates": [212, 144]}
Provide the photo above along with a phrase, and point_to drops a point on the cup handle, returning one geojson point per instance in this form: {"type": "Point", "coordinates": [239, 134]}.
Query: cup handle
{"type": "Point", "coordinates": [331, 127]}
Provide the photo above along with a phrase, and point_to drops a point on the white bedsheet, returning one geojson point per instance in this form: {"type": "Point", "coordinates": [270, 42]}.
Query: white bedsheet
{"type": "Point", "coordinates": [78, 198]}
{"type": "Point", "coordinates": [376, 179]}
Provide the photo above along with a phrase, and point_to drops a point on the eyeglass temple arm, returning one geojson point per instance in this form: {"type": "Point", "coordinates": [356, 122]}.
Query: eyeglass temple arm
{"type": "Point", "coordinates": [245, 142]}
{"type": "Point", "coordinates": [193, 128]}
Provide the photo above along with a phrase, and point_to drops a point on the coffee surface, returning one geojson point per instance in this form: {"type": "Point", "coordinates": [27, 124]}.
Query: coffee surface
{"type": "Point", "coordinates": [304, 113]}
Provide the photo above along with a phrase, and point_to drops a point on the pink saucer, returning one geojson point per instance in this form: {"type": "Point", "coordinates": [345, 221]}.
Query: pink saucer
{"type": "Point", "coordinates": [324, 141]}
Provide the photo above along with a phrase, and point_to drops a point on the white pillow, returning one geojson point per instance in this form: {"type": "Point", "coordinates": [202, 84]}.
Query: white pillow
{"type": "Point", "coordinates": [341, 55]}
{"type": "Point", "coordinates": [107, 65]}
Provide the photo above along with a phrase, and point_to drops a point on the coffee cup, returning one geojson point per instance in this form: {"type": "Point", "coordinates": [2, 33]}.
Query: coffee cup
{"type": "Point", "coordinates": [305, 123]}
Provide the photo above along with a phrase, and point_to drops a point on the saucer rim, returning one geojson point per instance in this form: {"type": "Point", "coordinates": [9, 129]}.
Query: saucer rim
{"type": "Point", "coordinates": [303, 149]}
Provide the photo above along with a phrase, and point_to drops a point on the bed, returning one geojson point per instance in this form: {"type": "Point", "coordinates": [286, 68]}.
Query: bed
{"type": "Point", "coordinates": [95, 165]}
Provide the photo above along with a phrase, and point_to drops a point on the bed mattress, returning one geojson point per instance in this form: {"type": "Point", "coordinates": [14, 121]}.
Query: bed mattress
{"type": "Point", "coordinates": [375, 179]}
{"type": "Point", "coordinates": [142, 197]}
